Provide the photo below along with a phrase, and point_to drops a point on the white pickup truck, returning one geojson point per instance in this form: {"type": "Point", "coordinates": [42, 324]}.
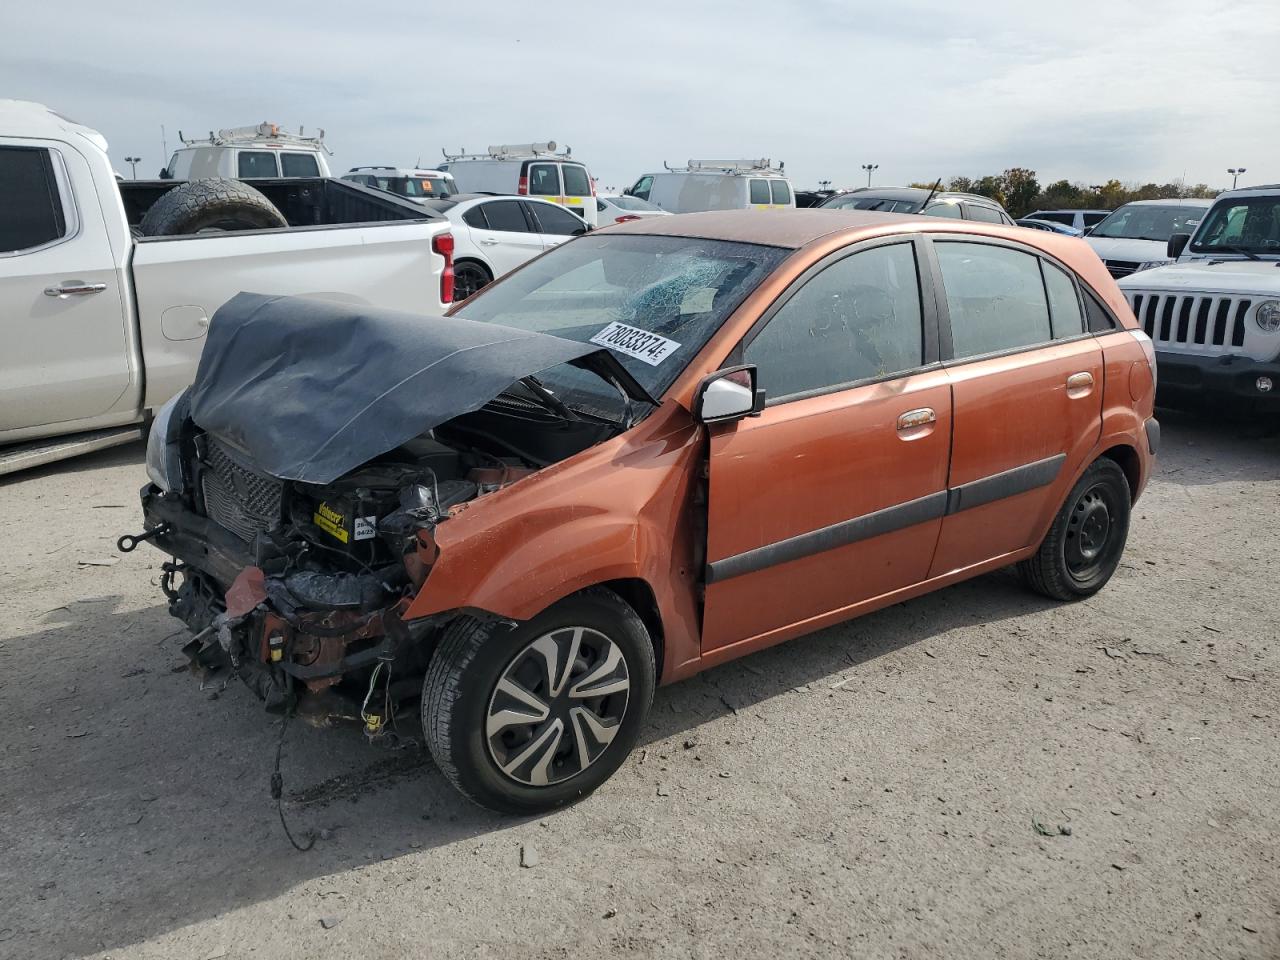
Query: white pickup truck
{"type": "Point", "coordinates": [1214, 315]}
{"type": "Point", "coordinates": [100, 324]}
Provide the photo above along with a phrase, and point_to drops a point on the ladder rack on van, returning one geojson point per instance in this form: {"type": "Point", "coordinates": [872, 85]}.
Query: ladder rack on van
{"type": "Point", "coordinates": [253, 134]}
{"type": "Point", "coordinates": [511, 151]}
{"type": "Point", "coordinates": [733, 167]}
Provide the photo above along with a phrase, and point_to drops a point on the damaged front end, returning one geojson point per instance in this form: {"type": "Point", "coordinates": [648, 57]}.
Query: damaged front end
{"type": "Point", "coordinates": [300, 530]}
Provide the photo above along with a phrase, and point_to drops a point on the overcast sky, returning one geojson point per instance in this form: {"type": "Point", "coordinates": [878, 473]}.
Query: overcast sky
{"type": "Point", "coordinates": [1083, 89]}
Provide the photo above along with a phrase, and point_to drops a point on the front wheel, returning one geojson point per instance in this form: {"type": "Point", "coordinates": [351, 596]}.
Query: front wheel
{"type": "Point", "coordinates": [1084, 545]}
{"type": "Point", "coordinates": [528, 719]}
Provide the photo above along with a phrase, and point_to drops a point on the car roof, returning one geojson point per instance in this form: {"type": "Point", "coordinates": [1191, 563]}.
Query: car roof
{"type": "Point", "coordinates": [916, 193]}
{"type": "Point", "coordinates": [1170, 202]}
{"type": "Point", "coordinates": [1070, 210]}
{"type": "Point", "coordinates": [1246, 191]}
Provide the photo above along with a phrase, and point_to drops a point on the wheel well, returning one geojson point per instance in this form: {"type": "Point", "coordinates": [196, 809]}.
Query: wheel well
{"type": "Point", "coordinates": [472, 260]}
{"type": "Point", "coordinates": [638, 595]}
{"type": "Point", "coordinates": [1127, 459]}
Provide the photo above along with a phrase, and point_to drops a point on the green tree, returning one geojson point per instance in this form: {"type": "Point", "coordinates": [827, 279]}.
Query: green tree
{"type": "Point", "coordinates": [1019, 188]}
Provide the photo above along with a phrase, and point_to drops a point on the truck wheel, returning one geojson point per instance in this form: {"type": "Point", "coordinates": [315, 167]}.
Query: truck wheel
{"type": "Point", "coordinates": [526, 720]}
{"type": "Point", "coordinates": [1084, 545]}
{"type": "Point", "coordinates": [468, 277]}
{"type": "Point", "coordinates": [215, 204]}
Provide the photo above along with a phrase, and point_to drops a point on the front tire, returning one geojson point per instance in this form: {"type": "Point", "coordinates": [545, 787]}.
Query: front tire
{"type": "Point", "coordinates": [1085, 543]}
{"type": "Point", "coordinates": [528, 719]}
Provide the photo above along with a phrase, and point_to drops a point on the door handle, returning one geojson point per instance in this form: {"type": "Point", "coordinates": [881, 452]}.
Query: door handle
{"type": "Point", "coordinates": [914, 419]}
{"type": "Point", "coordinates": [1079, 384]}
{"type": "Point", "coordinates": [74, 288]}
{"type": "Point", "coordinates": [489, 241]}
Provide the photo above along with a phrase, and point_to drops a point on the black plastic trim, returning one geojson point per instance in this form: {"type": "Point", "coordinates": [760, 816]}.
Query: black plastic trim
{"type": "Point", "coordinates": [1152, 427]}
{"type": "Point", "coordinates": [1008, 483]}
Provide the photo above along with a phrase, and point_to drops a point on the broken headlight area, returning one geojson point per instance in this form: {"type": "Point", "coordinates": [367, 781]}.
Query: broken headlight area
{"type": "Point", "coordinates": [300, 589]}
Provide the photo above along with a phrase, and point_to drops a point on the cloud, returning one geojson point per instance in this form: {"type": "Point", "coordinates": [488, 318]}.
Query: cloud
{"type": "Point", "coordinates": [925, 88]}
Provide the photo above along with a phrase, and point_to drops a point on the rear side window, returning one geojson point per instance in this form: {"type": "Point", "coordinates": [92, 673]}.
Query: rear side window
{"type": "Point", "coordinates": [1092, 219]}
{"type": "Point", "coordinates": [505, 215]}
{"type": "Point", "coordinates": [760, 191]}
{"type": "Point", "coordinates": [858, 319]}
{"type": "Point", "coordinates": [781, 192]}
{"type": "Point", "coordinates": [256, 163]}
{"type": "Point", "coordinates": [299, 165]}
{"type": "Point", "coordinates": [544, 180]}
{"type": "Point", "coordinates": [576, 181]}
{"type": "Point", "coordinates": [985, 214]}
{"type": "Point", "coordinates": [995, 298]}
{"type": "Point", "coordinates": [32, 213]}
{"type": "Point", "coordinates": [1065, 318]}
{"type": "Point", "coordinates": [552, 219]}
{"type": "Point", "coordinates": [1067, 218]}
{"type": "Point", "coordinates": [949, 210]}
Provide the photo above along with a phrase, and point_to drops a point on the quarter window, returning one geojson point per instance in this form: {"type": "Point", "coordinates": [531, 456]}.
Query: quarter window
{"type": "Point", "coordinates": [256, 163]}
{"type": "Point", "coordinates": [544, 180]}
{"type": "Point", "coordinates": [299, 165]}
{"type": "Point", "coordinates": [857, 319]}
{"type": "Point", "coordinates": [32, 213]}
{"type": "Point", "coordinates": [984, 214]}
{"type": "Point", "coordinates": [781, 192]}
{"type": "Point", "coordinates": [505, 215]}
{"type": "Point", "coordinates": [1065, 318]}
{"type": "Point", "coordinates": [760, 191]}
{"type": "Point", "coordinates": [944, 209]}
{"type": "Point", "coordinates": [475, 217]}
{"type": "Point", "coordinates": [995, 297]}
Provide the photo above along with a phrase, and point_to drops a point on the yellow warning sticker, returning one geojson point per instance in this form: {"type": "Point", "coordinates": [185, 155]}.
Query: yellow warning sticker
{"type": "Point", "coordinates": [330, 521]}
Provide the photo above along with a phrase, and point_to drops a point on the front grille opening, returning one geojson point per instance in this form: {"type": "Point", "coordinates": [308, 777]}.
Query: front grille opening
{"type": "Point", "coordinates": [1220, 323]}
{"type": "Point", "coordinates": [1202, 320]}
{"type": "Point", "coordinates": [1184, 318]}
{"type": "Point", "coordinates": [244, 502]}
{"type": "Point", "coordinates": [1237, 329]}
{"type": "Point", "coordinates": [1166, 317]}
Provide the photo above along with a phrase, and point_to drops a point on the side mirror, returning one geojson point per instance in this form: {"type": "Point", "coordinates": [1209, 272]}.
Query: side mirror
{"type": "Point", "coordinates": [1177, 243]}
{"type": "Point", "coordinates": [728, 395]}
{"type": "Point", "coordinates": [627, 192]}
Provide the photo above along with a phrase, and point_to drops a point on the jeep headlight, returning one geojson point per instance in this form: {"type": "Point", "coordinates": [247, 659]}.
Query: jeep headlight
{"type": "Point", "coordinates": [1268, 316]}
{"type": "Point", "coordinates": [1153, 263]}
{"type": "Point", "coordinates": [164, 458]}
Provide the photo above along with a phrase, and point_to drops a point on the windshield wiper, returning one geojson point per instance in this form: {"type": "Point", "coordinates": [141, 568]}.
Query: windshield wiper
{"type": "Point", "coordinates": [547, 399]}
{"type": "Point", "coordinates": [1243, 251]}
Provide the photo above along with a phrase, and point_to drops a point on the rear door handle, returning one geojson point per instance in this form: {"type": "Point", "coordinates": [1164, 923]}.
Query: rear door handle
{"type": "Point", "coordinates": [489, 241]}
{"type": "Point", "coordinates": [73, 288]}
{"type": "Point", "coordinates": [1079, 384]}
{"type": "Point", "coordinates": [916, 423]}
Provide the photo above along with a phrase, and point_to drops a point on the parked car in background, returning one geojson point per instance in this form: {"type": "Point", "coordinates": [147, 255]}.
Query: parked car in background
{"type": "Point", "coordinates": [494, 235]}
{"type": "Point", "coordinates": [942, 203]}
{"type": "Point", "coordinates": [1049, 226]}
{"type": "Point", "coordinates": [703, 185]}
{"type": "Point", "coordinates": [410, 183]}
{"type": "Point", "coordinates": [1136, 236]}
{"type": "Point", "coordinates": [1080, 219]}
{"type": "Point", "coordinates": [106, 288]}
{"type": "Point", "coordinates": [611, 209]}
{"type": "Point", "coordinates": [651, 451]}
{"type": "Point", "coordinates": [1215, 314]}
{"type": "Point", "coordinates": [814, 198]}
{"type": "Point", "coordinates": [527, 169]}
{"type": "Point", "coordinates": [249, 153]}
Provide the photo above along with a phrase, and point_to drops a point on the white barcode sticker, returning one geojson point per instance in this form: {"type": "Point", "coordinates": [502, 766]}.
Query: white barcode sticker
{"type": "Point", "coordinates": [634, 342]}
{"type": "Point", "coordinates": [366, 528]}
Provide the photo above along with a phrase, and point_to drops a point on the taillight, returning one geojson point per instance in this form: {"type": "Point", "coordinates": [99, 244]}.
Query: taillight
{"type": "Point", "coordinates": [442, 243]}
{"type": "Point", "coordinates": [1149, 349]}
{"type": "Point", "coordinates": [625, 218]}
{"type": "Point", "coordinates": [523, 187]}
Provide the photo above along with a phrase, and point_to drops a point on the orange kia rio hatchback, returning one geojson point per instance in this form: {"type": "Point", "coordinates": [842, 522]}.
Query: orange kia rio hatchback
{"type": "Point", "coordinates": [654, 449]}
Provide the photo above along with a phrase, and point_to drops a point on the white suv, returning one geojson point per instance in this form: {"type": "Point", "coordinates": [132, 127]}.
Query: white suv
{"type": "Point", "coordinates": [1215, 314]}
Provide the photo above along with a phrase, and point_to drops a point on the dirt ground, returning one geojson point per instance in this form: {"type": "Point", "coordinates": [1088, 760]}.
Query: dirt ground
{"type": "Point", "coordinates": [872, 790]}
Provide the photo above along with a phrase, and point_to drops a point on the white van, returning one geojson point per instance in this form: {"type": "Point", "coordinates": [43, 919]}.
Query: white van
{"type": "Point", "coordinates": [527, 170]}
{"type": "Point", "coordinates": [716, 185]}
{"type": "Point", "coordinates": [246, 153]}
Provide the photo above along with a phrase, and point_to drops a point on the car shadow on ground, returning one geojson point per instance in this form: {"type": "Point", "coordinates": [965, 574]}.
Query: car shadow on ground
{"type": "Point", "coordinates": [156, 791]}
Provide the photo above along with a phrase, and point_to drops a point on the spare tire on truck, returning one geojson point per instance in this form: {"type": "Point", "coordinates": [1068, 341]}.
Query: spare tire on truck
{"type": "Point", "coordinates": [215, 204]}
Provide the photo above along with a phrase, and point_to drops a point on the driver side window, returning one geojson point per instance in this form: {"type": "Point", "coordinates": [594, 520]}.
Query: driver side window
{"type": "Point", "coordinates": [858, 319]}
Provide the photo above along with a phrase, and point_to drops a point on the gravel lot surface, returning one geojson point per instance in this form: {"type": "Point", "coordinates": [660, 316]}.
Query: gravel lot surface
{"type": "Point", "coordinates": [873, 790]}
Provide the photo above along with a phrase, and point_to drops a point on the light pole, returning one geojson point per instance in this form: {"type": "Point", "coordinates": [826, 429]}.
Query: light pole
{"type": "Point", "coordinates": [1235, 175]}
{"type": "Point", "coordinates": [869, 167]}
{"type": "Point", "coordinates": [133, 164]}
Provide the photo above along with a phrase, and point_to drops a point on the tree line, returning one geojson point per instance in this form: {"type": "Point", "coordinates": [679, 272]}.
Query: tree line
{"type": "Point", "coordinates": [1019, 192]}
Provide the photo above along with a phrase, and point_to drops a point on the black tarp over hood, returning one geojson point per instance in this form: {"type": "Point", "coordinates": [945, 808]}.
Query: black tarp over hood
{"type": "Point", "coordinates": [309, 389]}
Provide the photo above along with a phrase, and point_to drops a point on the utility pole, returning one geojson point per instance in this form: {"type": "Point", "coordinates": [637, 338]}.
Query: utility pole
{"type": "Point", "coordinates": [1235, 175]}
{"type": "Point", "coordinates": [870, 167]}
{"type": "Point", "coordinates": [133, 163]}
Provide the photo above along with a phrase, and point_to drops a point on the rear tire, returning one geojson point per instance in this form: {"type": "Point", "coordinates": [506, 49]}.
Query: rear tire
{"type": "Point", "coordinates": [1087, 539]}
{"type": "Point", "coordinates": [215, 204]}
{"type": "Point", "coordinates": [469, 277]}
{"type": "Point", "coordinates": [529, 719]}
